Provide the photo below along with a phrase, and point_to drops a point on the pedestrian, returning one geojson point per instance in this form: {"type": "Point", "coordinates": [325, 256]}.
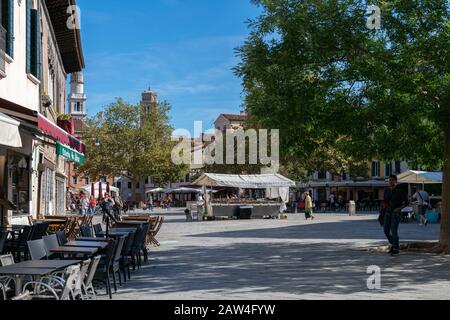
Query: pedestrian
{"type": "Point", "coordinates": [107, 204]}
{"type": "Point", "coordinates": [84, 204]}
{"type": "Point", "coordinates": [150, 203]}
{"type": "Point", "coordinates": [117, 207]}
{"type": "Point", "coordinates": [308, 207]}
{"type": "Point", "coordinates": [331, 201]}
{"type": "Point", "coordinates": [92, 205]}
{"type": "Point", "coordinates": [422, 199]}
{"type": "Point", "coordinates": [395, 201]}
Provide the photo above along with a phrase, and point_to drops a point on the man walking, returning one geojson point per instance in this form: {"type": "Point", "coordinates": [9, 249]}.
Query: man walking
{"type": "Point", "coordinates": [422, 199]}
{"type": "Point", "coordinates": [308, 207]}
{"type": "Point", "coordinates": [395, 201]}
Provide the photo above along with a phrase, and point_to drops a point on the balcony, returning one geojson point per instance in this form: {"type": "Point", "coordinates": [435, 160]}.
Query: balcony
{"type": "Point", "coordinates": [2, 51]}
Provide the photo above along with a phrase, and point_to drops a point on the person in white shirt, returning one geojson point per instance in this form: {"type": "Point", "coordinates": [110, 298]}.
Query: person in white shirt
{"type": "Point", "coordinates": [422, 199]}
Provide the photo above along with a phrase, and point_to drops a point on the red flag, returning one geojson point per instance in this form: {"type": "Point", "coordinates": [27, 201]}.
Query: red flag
{"type": "Point", "coordinates": [100, 191]}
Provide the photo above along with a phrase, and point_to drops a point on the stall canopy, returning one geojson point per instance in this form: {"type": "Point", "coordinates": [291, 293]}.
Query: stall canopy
{"type": "Point", "coordinates": [420, 177]}
{"type": "Point", "coordinates": [186, 190]}
{"type": "Point", "coordinates": [9, 132]}
{"type": "Point", "coordinates": [97, 188]}
{"type": "Point", "coordinates": [159, 190]}
{"type": "Point", "coordinates": [262, 181]}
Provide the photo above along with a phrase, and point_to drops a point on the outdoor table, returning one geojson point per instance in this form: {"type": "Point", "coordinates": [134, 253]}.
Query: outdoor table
{"type": "Point", "coordinates": [44, 264]}
{"type": "Point", "coordinates": [87, 244]}
{"type": "Point", "coordinates": [115, 234]}
{"type": "Point", "coordinates": [74, 250]}
{"type": "Point", "coordinates": [89, 239]}
{"type": "Point", "coordinates": [17, 273]}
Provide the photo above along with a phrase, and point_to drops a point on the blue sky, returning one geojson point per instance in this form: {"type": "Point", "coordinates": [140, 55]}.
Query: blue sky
{"type": "Point", "coordinates": [183, 49]}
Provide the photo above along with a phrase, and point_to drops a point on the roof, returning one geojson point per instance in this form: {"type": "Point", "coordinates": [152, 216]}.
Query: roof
{"type": "Point", "coordinates": [261, 181]}
{"type": "Point", "coordinates": [420, 177]}
{"type": "Point", "coordinates": [235, 117]}
{"type": "Point", "coordinates": [69, 40]}
{"type": "Point", "coordinates": [349, 183]}
{"type": "Point", "coordinates": [78, 125]}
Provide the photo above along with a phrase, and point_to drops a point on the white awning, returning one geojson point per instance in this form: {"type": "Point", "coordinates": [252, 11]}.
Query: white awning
{"type": "Point", "coordinates": [186, 190]}
{"type": "Point", "coordinates": [420, 177]}
{"type": "Point", "coordinates": [9, 132]}
{"type": "Point", "coordinates": [342, 184]}
{"type": "Point", "coordinates": [159, 190]}
{"type": "Point", "coordinates": [261, 181]}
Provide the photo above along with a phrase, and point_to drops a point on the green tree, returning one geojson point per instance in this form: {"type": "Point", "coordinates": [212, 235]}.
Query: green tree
{"type": "Point", "coordinates": [123, 140]}
{"type": "Point", "coordinates": [316, 71]}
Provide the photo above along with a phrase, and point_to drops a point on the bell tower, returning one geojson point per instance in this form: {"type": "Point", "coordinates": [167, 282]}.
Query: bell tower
{"type": "Point", "coordinates": [77, 98]}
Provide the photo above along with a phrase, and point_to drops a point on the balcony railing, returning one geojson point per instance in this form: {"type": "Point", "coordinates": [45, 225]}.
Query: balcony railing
{"type": "Point", "coordinates": [2, 48]}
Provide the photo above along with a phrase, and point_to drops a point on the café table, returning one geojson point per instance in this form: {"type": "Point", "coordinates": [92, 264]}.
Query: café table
{"type": "Point", "coordinates": [55, 264]}
{"type": "Point", "coordinates": [87, 244]}
{"type": "Point", "coordinates": [74, 250]}
{"type": "Point", "coordinates": [115, 234]}
{"type": "Point", "coordinates": [17, 273]}
{"type": "Point", "coordinates": [91, 239]}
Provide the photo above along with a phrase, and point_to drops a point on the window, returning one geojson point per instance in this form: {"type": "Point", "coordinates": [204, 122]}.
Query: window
{"type": "Point", "coordinates": [129, 185]}
{"type": "Point", "coordinates": [388, 170]}
{"type": "Point", "coordinates": [103, 179]}
{"type": "Point", "coordinates": [322, 175]}
{"type": "Point", "coordinates": [398, 168]}
{"type": "Point", "coordinates": [7, 21]}
{"type": "Point", "coordinates": [119, 184]}
{"type": "Point", "coordinates": [138, 185]}
{"type": "Point", "coordinates": [77, 107]}
{"type": "Point", "coordinates": [75, 180]}
{"type": "Point", "coordinates": [146, 181]}
{"type": "Point", "coordinates": [33, 41]}
{"type": "Point", "coordinates": [86, 181]}
{"type": "Point", "coordinates": [375, 168]}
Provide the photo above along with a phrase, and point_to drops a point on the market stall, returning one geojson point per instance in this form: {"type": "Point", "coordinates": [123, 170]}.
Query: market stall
{"type": "Point", "coordinates": [255, 196]}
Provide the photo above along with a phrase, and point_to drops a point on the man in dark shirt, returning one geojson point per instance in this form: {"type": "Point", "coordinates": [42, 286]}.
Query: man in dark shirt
{"type": "Point", "coordinates": [395, 200]}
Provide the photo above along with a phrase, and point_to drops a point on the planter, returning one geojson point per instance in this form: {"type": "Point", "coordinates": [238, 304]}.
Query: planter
{"type": "Point", "coordinates": [66, 125]}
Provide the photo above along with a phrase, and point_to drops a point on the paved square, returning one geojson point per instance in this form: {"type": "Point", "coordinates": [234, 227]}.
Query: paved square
{"type": "Point", "coordinates": [285, 259]}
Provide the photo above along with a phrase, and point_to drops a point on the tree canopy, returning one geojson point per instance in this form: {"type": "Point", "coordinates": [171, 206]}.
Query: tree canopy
{"type": "Point", "coordinates": [123, 140]}
{"type": "Point", "coordinates": [314, 70]}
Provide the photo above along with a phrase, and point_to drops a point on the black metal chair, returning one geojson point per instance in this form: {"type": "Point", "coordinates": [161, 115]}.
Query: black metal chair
{"type": "Point", "coordinates": [125, 259]}
{"type": "Point", "coordinates": [86, 231]}
{"type": "Point", "coordinates": [115, 264]}
{"type": "Point", "coordinates": [62, 239]}
{"type": "Point", "coordinates": [98, 229]}
{"type": "Point", "coordinates": [138, 246]}
{"type": "Point", "coordinates": [19, 246]}
{"type": "Point", "coordinates": [40, 230]}
{"type": "Point", "coordinates": [102, 273]}
{"type": "Point", "coordinates": [3, 237]}
{"type": "Point", "coordinates": [37, 249]}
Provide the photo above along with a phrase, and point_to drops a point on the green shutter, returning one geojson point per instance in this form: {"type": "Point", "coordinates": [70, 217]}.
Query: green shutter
{"type": "Point", "coordinates": [28, 66]}
{"type": "Point", "coordinates": [35, 46]}
{"type": "Point", "coordinates": [7, 19]}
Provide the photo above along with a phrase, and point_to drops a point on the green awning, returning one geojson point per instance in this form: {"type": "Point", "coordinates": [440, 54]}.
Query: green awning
{"type": "Point", "coordinates": [69, 154]}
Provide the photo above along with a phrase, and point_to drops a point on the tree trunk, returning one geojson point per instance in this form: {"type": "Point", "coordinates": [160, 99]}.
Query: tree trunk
{"type": "Point", "coordinates": [445, 212]}
{"type": "Point", "coordinates": [133, 190]}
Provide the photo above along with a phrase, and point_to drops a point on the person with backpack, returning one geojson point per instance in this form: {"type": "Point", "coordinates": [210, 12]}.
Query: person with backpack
{"type": "Point", "coordinates": [422, 199]}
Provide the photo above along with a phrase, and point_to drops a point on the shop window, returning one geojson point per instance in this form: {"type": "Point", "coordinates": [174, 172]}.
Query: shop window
{"type": "Point", "coordinates": [19, 182]}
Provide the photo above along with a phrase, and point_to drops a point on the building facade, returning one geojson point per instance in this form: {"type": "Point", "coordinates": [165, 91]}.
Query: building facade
{"type": "Point", "coordinates": [37, 52]}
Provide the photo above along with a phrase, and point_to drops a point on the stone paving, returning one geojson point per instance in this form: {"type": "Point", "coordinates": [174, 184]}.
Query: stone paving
{"type": "Point", "coordinates": [285, 259]}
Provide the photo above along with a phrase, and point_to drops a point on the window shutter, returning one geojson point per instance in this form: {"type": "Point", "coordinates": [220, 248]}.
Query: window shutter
{"type": "Point", "coordinates": [28, 65]}
{"type": "Point", "coordinates": [7, 18]}
{"type": "Point", "coordinates": [35, 47]}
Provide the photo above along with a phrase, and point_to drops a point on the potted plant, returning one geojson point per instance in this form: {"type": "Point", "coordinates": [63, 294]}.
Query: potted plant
{"type": "Point", "coordinates": [65, 121]}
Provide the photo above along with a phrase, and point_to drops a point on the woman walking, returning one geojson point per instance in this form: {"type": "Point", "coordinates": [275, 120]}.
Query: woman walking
{"type": "Point", "coordinates": [308, 207]}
